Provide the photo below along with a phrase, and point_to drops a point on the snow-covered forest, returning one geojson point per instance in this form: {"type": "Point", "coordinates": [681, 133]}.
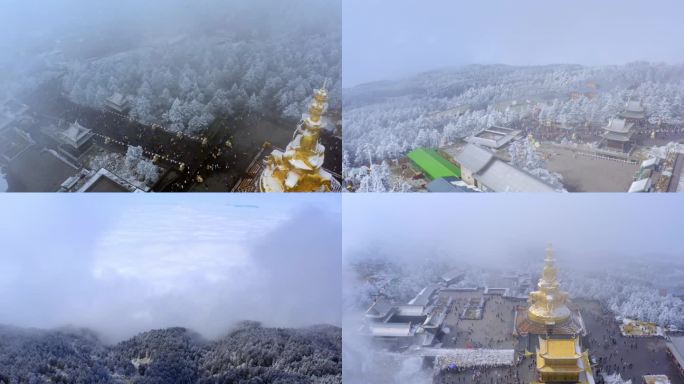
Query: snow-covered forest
{"type": "Point", "coordinates": [221, 59]}
{"type": "Point", "coordinates": [628, 296]}
{"type": "Point", "coordinates": [247, 67]}
{"type": "Point", "coordinates": [385, 120]}
{"type": "Point", "coordinates": [248, 354]}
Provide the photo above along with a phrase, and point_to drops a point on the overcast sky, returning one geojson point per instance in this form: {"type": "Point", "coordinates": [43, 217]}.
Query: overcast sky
{"type": "Point", "coordinates": [384, 40]}
{"type": "Point", "coordinates": [122, 264]}
{"type": "Point", "coordinates": [482, 228]}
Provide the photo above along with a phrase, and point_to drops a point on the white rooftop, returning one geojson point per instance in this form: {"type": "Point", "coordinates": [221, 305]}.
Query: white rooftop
{"type": "Point", "coordinates": [497, 174]}
{"type": "Point", "coordinates": [640, 185]}
{"type": "Point", "coordinates": [474, 158]}
{"type": "Point", "coordinates": [75, 131]}
{"type": "Point", "coordinates": [380, 308]}
{"type": "Point", "coordinates": [650, 162]}
{"type": "Point", "coordinates": [423, 298]}
{"type": "Point", "coordinates": [634, 106]}
{"type": "Point", "coordinates": [619, 125]}
{"type": "Point", "coordinates": [117, 98]}
{"type": "Point", "coordinates": [391, 329]}
{"type": "Point", "coordinates": [452, 274]}
{"type": "Point", "coordinates": [410, 310]}
{"type": "Point", "coordinates": [503, 177]}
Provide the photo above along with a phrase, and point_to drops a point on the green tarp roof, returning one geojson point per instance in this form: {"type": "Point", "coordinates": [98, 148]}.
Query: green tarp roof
{"type": "Point", "coordinates": [433, 164]}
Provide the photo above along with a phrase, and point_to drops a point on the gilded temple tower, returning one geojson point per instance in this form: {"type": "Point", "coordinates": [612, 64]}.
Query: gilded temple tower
{"type": "Point", "coordinates": [300, 167]}
{"type": "Point", "coordinates": [548, 312]}
{"type": "Point", "coordinates": [548, 305]}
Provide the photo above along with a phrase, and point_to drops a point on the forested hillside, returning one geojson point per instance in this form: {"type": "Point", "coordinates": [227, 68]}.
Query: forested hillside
{"type": "Point", "coordinates": [250, 353]}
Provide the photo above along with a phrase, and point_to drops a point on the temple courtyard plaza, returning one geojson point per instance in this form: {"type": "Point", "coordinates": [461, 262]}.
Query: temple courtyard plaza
{"type": "Point", "coordinates": [494, 330]}
{"type": "Point", "coordinates": [584, 173]}
{"type": "Point", "coordinates": [609, 351]}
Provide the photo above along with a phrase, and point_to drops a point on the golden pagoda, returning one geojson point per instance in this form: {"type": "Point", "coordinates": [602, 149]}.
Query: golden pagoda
{"type": "Point", "coordinates": [548, 304]}
{"type": "Point", "coordinates": [548, 312]}
{"type": "Point", "coordinates": [300, 167]}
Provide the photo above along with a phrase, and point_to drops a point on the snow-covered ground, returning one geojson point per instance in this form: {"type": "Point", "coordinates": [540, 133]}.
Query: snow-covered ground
{"type": "Point", "coordinates": [466, 358]}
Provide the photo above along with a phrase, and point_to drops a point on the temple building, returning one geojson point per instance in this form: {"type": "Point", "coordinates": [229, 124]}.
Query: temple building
{"type": "Point", "coordinates": [634, 113]}
{"type": "Point", "coordinates": [299, 168]}
{"type": "Point", "coordinates": [494, 137]}
{"type": "Point", "coordinates": [117, 103]}
{"type": "Point", "coordinates": [75, 140]}
{"type": "Point", "coordinates": [562, 361]}
{"type": "Point", "coordinates": [416, 323]}
{"type": "Point", "coordinates": [618, 135]}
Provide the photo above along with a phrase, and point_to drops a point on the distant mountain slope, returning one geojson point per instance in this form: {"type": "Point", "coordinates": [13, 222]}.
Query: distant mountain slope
{"type": "Point", "coordinates": [248, 354]}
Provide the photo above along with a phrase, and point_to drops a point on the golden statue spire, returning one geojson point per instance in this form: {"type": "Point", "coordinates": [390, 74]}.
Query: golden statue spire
{"type": "Point", "coordinates": [548, 304]}
{"type": "Point", "coordinates": [300, 167]}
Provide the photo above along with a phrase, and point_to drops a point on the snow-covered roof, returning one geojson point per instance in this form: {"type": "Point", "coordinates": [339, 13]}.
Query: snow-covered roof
{"type": "Point", "coordinates": [494, 137]}
{"type": "Point", "coordinates": [632, 115]}
{"type": "Point", "coordinates": [410, 310]}
{"type": "Point", "coordinates": [380, 308]}
{"type": "Point", "coordinates": [423, 297]}
{"type": "Point", "coordinates": [474, 158]}
{"type": "Point", "coordinates": [642, 185]}
{"type": "Point", "coordinates": [75, 131]}
{"type": "Point", "coordinates": [76, 135]}
{"type": "Point", "coordinates": [634, 106]}
{"type": "Point", "coordinates": [650, 162]}
{"type": "Point", "coordinates": [117, 99]}
{"type": "Point", "coordinates": [500, 176]}
{"type": "Point", "coordinates": [618, 125]}
{"type": "Point", "coordinates": [391, 329]}
{"type": "Point", "coordinates": [452, 274]}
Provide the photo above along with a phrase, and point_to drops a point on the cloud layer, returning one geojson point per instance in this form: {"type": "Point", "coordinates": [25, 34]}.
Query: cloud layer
{"type": "Point", "coordinates": [123, 266]}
